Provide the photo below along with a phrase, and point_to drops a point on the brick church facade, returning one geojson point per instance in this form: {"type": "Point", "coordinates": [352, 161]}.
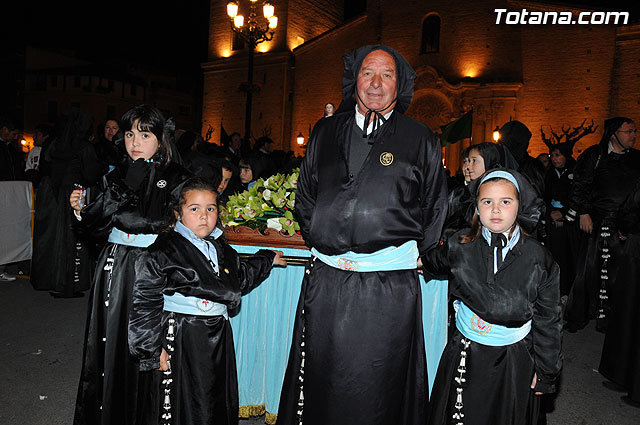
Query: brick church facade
{"type": "Point", "coordinates": [543, 75]}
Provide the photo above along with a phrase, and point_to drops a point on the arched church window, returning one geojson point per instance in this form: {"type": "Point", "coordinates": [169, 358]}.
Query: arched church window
{"type": "Point", "coordinates": [430, 35]}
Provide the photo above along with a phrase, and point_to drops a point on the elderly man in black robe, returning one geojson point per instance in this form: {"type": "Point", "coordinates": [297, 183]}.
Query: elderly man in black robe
{"type": "Point", "coordinates": [371, 199]}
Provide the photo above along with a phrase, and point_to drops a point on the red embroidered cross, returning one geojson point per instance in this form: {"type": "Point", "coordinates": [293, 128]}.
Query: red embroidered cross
{"type": "Point", "coordinates": [205, 302]}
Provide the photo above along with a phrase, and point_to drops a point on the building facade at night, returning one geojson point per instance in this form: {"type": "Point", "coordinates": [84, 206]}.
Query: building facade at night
{"type": "Point", "coordinates": [546, 76]}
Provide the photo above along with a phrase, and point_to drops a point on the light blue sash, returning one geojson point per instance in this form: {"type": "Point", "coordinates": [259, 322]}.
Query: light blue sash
{"type": "Point", "coordinates": [140, 240]}
{"type": "Point", "coordinates": [194, 306]}
{"type": "Point", "coordinates": [476, 329]}
{"type": "Point", "coordinates": [403, 257]}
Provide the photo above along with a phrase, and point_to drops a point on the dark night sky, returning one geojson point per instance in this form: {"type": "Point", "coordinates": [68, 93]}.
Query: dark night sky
{"type": "Point", "coordinates": [161, 33]}
{"type": "Point", "coordinates": [168, 34]}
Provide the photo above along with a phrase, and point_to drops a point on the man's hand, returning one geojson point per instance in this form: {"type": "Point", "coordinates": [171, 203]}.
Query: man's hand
{"type": "Point", "coordinates": [586, 224]}
{"type": "Point", "coordinates": [164, 361]}
{"type": "Point", "coordinates": [534, 382]}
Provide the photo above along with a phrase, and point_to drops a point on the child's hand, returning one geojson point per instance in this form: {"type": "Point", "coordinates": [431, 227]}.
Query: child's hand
{"type": "Point", "coordinates": [277, 260]}
{"type": "Point", "coordinates": [164, 361]}
{"type": "Point", "coordinates": [75, 199]}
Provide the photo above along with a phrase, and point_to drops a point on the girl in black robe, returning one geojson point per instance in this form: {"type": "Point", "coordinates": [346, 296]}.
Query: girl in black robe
{"type": "Point", "coordinates": [503, 283]}
{"type": "Point", "coordinates": [621, 349]}
{"type": "Point", "coordinates": [179, 322]}
{"type": "Point", "coordinates": [132, 210]}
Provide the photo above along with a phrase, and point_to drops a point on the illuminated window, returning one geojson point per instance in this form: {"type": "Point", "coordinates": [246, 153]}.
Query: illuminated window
{"type": "Point", "coordinates": [430, 35]}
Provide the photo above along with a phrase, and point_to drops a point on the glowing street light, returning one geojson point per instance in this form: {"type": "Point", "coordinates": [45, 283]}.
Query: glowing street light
{"type": "Point", "coordinates": [253, 32]}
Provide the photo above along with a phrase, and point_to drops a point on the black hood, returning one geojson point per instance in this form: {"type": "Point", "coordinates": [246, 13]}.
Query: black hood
{"type": "Point", "coordinates": [515, 136]}
{"type": "Point", "coordinates": [610, 127]}
{"type": "Point", "coordinates": [353, 61]}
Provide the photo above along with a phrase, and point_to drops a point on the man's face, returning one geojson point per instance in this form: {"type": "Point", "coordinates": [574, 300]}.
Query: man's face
{"type": "Point", "coordinates": [4, 134]}
{"type": "Point", "coordinates": [626, 135]}
{"type": "Point", "coordinates": [377, 82]}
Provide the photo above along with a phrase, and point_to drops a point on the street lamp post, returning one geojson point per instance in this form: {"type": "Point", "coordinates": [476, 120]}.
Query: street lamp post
{"type": "Point", "coordinates": [253, 33]}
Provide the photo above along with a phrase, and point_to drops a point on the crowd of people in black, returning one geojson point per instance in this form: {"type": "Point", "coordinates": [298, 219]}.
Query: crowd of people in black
{"type": "Point", "coordinates": [119, 186]}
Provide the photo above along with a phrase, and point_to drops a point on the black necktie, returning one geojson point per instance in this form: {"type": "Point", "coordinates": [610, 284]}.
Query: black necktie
{"type": "Point", "coordinates": [498, 240]}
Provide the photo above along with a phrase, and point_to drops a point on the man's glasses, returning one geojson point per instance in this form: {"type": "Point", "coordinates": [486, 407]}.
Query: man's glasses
{"type": "Point", "coordinates": [634, 131]}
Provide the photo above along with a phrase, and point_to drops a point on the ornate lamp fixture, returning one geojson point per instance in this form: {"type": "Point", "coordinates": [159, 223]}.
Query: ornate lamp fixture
{"type": "Point", "coordinates": [253, 32]}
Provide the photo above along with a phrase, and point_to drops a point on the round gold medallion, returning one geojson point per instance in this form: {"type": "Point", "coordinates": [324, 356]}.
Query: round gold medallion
{"type": "Point", "coordinates": [386, 158]}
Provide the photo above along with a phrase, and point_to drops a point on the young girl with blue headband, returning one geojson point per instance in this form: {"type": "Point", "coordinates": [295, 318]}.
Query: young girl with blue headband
{"type": "Point", "coordinates": [506, 348]}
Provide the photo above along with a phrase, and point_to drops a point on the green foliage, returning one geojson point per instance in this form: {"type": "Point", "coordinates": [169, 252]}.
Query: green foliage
{"type": "Point", "coordinates": [268, 204]}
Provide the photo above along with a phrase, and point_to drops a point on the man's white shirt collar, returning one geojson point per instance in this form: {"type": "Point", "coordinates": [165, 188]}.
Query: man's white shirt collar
{"type": "Point", "coordinates": [360, 120]}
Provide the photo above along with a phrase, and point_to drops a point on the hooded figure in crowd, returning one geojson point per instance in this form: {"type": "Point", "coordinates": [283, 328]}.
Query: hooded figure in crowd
{"type": "Point", "coordinates": [370, 200]}
{"type": "Point", "coordinates": [604, 176]}
{"type": "Point", "coordinates": [515, 136]}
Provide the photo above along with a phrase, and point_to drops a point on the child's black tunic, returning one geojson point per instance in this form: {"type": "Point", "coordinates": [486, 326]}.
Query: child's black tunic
{"type": "Point", "coordinates": [204, 388]}
{"type": "Point", "coordinates": [526, 287]}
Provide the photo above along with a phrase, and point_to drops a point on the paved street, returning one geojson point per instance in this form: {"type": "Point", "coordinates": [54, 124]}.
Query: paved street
{"type": "Point", "coordinates": [41, 347]}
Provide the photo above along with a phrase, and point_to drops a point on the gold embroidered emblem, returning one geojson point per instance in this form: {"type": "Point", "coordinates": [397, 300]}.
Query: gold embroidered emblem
{"type": "Point", "coordinates": [386, 158]}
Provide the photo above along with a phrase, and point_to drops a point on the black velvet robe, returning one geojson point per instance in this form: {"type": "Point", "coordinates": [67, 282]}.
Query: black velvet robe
{"type": "Point", "coordinates": [601, 182]}
{"type": "Point", "coordinates": [203, 369]}
{"type": "Point", "coordinates": [621, 348]}
{"type": "Point", "coordinates": [62, 260]}
{"type": "Point", "coordinates": [111, 388]}
{"type": "Point", "coordinates": [563, 241]}
{"type": "Point", "coordinates": [526, 287]}
{"type": "Point", "coordinates": [361, 333]}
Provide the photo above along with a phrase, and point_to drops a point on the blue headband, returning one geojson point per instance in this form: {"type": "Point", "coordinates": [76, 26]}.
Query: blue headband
{"type": "Point", "coordinates": [503, 175]}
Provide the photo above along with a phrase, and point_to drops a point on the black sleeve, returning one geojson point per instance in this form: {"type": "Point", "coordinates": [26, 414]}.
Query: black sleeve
{"type": "Point", "coordinates": [547, 330]}
{"type": "Point", "coordinates": [307, 188]}
{"type": "Point", "coordinates": [433, 195]}
{"type": "Point", "coordinates": [629, 213]}
{"type": "Point", "coordinates": [435, 262]}
{"type": "Point", "coordinates": [97, 216]}
{"type": "Point", "coordinates": [254, 270]}
{"type": "Point", "coordinates": [583, 175]}
{"type": "Point", "coordinates": [145, 317]}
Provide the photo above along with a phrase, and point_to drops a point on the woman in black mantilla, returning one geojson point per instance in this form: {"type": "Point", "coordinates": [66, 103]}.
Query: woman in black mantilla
{"type": "Point", "coordinates": [506, 345]}
{"type": "Point", "coordinates": [132, 209]}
